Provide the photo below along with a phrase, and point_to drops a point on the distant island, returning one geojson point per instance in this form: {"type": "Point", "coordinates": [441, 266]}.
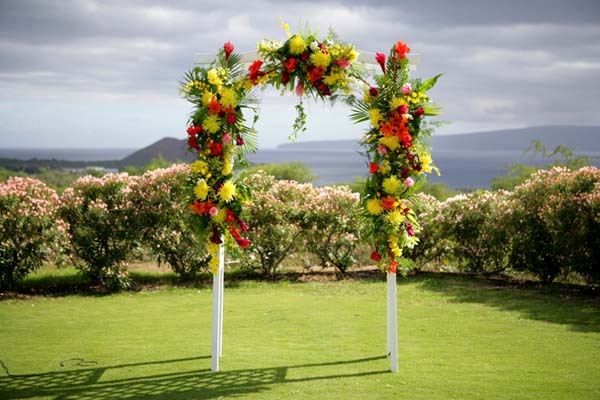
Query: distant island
{"type": "Point", "coordinates": [466, 160]}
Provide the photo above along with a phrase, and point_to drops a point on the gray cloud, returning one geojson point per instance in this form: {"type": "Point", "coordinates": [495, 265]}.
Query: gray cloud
{"type": "Point", "coordinates": [509, 63]}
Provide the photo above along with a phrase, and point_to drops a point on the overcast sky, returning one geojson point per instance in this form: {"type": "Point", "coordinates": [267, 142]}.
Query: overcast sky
{"type": "Point", "coordinates": [105, 73]}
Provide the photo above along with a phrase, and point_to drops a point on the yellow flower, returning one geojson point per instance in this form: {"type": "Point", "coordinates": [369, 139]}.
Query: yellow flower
{"type": "Point", "coordinates": [297, 45]}
{"type": "Point", "coordinates": [285, 26]}
{"type": "Point", "coordinates": [211, 124]}
{"type": "Point", "coordinates": [374, 207]}
{"type": "Point", "coordinates": [320, 59]}
{"type": "Point", "coordinates": [212, 249]}
{"type": "Point", "coordinates": [207, 97]}
{"type": "Point", "coordinates": [395, 217]}
{"type": "Point", "coordinates": [227, 167]}
{"type": "Point", "coordinates": [331, 79]}
{"type": "Point", "coordinates": [375, 116]}
{"type": "Point", "coordinates": [385, 167]}
{"type": "Point", "coordinates": [353, 54]}
{"type": "Point", "coordinates": [397, 102]}
{"type": "Point", "coordinates": [393, 243]}
{"type": "Point", "coordinates": [201, 190]}
{"type": "Point", "coordinates": [391, 142]}
{"type": "Point", "coordinates": [199, 167]}
{"type": "Point", "coordinates": [391, 185]}
{"type": "Point", "coordinates": [213, 77]}
{"type": "Point", "coordinates": [227, 191]}
{"type": "Point", "coordinates": [213, 265]}
{"type": "Point", "coordinates": [425, 159]}
{"type": "Point", "coordinates": [228, 98]}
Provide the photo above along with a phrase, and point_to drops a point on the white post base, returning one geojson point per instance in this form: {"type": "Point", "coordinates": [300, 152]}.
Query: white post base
{"type": "Point", "coordinates": [392, 322]}
{"type": "Point", "coordinates": [217, 320]}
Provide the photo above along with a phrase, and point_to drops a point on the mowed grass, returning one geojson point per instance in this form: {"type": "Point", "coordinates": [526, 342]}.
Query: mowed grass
{"type": "Point", "coordinates": [459, 338]}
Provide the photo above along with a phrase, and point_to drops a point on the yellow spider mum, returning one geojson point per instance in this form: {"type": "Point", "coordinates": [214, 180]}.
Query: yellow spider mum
{"type": "Point", "coordinates": [211, 124]}
{"type": "Point", "coordinates": [228, 98]}
{"type": "Point", "coordinates": [297, 45]}
{"type": "Point", "coordinates": [227, 191]}
{"type": "Point", "coordinates": [391, 185]}
{"type": "Point", "coordinates": [320, 59]}
{"type": "Point", "coordinates": [395, 217]}
{"type": "Point", "coordinates": [373, 207]}
{"type": "Point", "coordinates": [201, 190]}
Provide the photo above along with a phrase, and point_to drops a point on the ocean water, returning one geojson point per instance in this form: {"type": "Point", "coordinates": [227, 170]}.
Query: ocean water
{"type": "Point", "coordinates": [66, 154]}
{"type": "Point", "coordinates": [335, 162]}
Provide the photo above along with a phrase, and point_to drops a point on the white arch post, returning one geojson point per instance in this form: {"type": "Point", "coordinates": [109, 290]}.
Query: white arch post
{"type": "Point", "coordinates": [218, 278]}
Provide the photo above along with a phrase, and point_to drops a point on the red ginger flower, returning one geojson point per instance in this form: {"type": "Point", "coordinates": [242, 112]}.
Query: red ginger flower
{"type": "Point", "coordinates": [228, 47]}
{"type": "Point", "coordinates": [401, 49]}
{"type": "Point", "coordinates": [380, 58]}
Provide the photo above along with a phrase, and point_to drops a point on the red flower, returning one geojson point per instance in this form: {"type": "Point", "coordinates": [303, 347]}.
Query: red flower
{"type": "Point", "coordinates": [325, 90]}
{"type": "Point", "coordinates": [228, 47]}
{"type": "Point", "coordinates": [231, 118]}
{"type": "Point", "coordinates": [373, 168]}
{"type": "Point", "coordinates": [285, 78]}
{"type": "Point", "coordinates": [375, 256]}
{"type": "Point", "coordinates": [239, 141]}
{"type": "Point", "coordinates": [193, 142]}
{"type": "Point", "coordinates": [314, 74]}
{"type": "Point", "coordinates": [230, 216]}
{"type": "Point", "coordinates": [304, 56]}
{"type": "Point", "coordinates": [194, 130]}
{"type": "Point", "coordinates": [373, 91]}
{"type": "Point", "coordinates": [380, 58]}
{"type": "Point", "coordinates": [216, 148]}
{"type": "Point", "coordinates": [201, 208]}
{"type": "Point", "coordinates": [419, 111]}
{"type": "Point", "coordinates": [401, 49]}
{"type": "Point", "coordinates": [255, 71]}
{"type": "Point", "coordinates": [291, 64]}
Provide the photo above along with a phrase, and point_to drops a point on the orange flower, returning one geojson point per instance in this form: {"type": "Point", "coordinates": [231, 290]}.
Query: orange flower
{"type": "Point", "coordinates": [213, 106]}
{"type": "Point", "coordinates": [388, 203]}
{"type": "Point", "coordinates": [201, 208]}
{"type": "Point", "coordinates": [315, 74]}
{"type": "Point", "coordinates": [401, 49]}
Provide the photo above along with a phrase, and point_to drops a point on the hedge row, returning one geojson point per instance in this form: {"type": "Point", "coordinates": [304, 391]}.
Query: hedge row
{"type": "Point", "coordinates": [549, 226]}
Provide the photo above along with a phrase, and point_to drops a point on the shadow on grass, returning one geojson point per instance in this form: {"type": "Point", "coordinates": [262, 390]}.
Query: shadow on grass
{"type": "Point", "coordinates": [577, 307]}
{"type": "Point", "coordinates": [87, 383]}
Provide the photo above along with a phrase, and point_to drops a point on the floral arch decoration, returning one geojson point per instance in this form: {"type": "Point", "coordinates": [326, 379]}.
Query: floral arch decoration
{"type": "Point", "coordinates": [324, 69]}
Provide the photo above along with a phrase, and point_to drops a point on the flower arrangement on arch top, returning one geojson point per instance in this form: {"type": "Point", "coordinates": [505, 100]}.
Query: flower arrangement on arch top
{"type": "Point", "coordinates": [219, 136]}
{"type": "Point", "coordinates": [396, 108]}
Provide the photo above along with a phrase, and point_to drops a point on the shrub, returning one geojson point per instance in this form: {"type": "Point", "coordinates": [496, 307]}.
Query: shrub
{"type": "Point", "coordinates": [277, 219]}
{"type": "Point", "coordinates": [30, 232]}
{"type": "Point", "coordinates": [103, 227]}
{"type": "Point", "coordinates": [334, 225]}
{"type": "Point", "coordinates": [160, 198]}
{"type": "Point", "coordinates": [474, 223]}
{"type": "Point", "coordinates": [555, 222]}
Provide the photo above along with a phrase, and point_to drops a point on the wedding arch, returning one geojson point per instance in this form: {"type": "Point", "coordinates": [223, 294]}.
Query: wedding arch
{"type": "Point", "coordinates": [223, 86]}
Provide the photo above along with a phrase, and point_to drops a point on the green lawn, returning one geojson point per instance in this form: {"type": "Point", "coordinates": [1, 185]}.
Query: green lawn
{"type": "Point", "coordinates": [460, 338]}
